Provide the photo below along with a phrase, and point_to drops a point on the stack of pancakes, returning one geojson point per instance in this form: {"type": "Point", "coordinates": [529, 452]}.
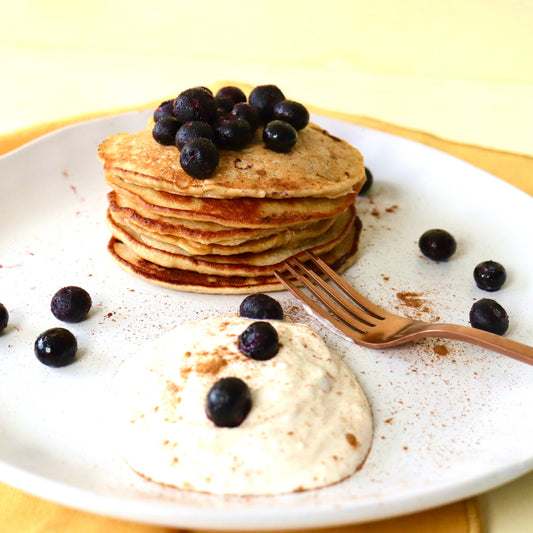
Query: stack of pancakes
{"type": "Point", "coordinates": [230, 232]}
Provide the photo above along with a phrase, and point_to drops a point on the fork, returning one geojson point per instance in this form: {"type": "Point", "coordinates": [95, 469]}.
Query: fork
{"type": "Point", "coordinates": [369, 325]}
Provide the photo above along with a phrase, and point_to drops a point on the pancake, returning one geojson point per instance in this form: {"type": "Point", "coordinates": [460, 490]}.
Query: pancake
{"type": "Point", "coordinates": [340, 258]}
{"type": "Point", "coordinates": [146, 231]}
{"type": "Point", "coordinates": [197, 230]}
{"type": "Point", "coordinates": [234, 212]}
{"type": "Point", "coordinates": [230, 230]}
{"type": "Point", "coordinates": [319, 165]}
{"type": "Point", "coordinates": [247, 264]}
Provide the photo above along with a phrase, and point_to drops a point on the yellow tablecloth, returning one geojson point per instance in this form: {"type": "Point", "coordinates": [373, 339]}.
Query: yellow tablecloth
{"type": "Point", "coordinates": [462, 70]}
{"type": "Point", "coordinates": [20, 513]}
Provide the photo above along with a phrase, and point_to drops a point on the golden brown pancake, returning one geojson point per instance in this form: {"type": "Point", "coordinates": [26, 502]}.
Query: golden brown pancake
{"type": "Point", "coordinates": [197, 230]}
{"type": "Point", "coordinates": [319, 165]}
{"type": "Point", "coordinates": [147, 230]}
{"type": "Point", "coordinates": [231, 232]}
{"type": "Point", "coordinates": [247, 264]}
{"type": "Point", "coordinates": [234, 212]}
{"type": "Point", "coordinates": [340, 258]}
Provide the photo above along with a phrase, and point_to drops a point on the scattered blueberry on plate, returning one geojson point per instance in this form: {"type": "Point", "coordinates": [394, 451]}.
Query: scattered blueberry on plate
{"type": "Point", "coordinates": [489, 315]}
{"type": "Point", "coordinates": [56, 347]}
{"type": "Point", "coordinates": [71, 304]}
{"type": "Point", "coordinates": [437, 244]}
{"type": "Point", "coordinates": [4, 317]}
{"type": "Point", "coordinates": [490, 275]}
{"type": "Point", "coordinates": [368, 183]}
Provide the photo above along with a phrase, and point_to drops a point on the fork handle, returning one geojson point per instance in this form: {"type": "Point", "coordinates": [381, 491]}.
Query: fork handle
{"type": "Point", "coordinates": [497, 343]}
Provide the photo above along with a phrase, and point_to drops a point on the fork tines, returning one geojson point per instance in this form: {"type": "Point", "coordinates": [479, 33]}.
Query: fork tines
{"type": "Point", "coordinates": [350, 308]}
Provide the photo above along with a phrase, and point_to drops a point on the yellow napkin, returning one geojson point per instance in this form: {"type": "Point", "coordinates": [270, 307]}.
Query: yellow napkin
{"type": "Point", "coordinates": [22, 513]}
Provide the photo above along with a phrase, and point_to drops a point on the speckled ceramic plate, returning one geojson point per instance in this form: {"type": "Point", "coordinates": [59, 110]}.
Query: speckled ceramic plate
{"type": "Point", "coordinates": [451, 420]}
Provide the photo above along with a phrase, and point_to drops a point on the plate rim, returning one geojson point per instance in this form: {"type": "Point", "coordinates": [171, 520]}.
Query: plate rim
{"type": "Point", "coordinates": [19, 477]}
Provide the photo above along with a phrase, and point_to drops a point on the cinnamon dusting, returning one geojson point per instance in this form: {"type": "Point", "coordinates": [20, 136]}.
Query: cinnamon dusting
{"type": "Point", "coordinates": [210, 366]}
{"type": "Point", "coordinates": [352, 441]}
{"type": "Point", "coordinates": [413, 300]}
{"type": "Point", "coordinates": [172, 387]}
{"type": "Point", "coordinates": [441, 349]}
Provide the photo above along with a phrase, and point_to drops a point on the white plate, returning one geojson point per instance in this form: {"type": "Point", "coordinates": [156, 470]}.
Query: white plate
{"type": "Point", "coordinates": [446, 426]}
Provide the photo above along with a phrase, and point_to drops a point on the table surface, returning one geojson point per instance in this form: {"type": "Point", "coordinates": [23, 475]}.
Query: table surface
{"type": "Point", "coordinates": [458, 70]}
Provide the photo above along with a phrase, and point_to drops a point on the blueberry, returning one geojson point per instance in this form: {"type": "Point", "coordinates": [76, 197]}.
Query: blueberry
{"type": "Point", "coordinates": [368, 183]}
{"type": "Point", "coordinates": [279, 136]}
{"type": "Point", "coordinates": [229, 96]}
{"type": "Point", "coordinates": [164, 110]}
{"type": "Point", "coordinates": [71, 304]}
{"type": "Point", "coordinates": [292, 112]}
{"type": "Point", "coordinates": [259, 341]}
{"type": "Point", "coordinates": [232, 133]}
{"type": "Point", "coordinates": [228, 402]}
{"type": "Point", "coordinates": [265, 97]}
{"type": "Point", "coordinates": [224, 105]}
{"type": "Point", "coordinates": [56, 347]}
{"type": "Point", "coordinates": [261, 306]}
{"type": "Point", "coordinates": [194, 129]}
{"type": "Point", "coordinates": [490, 275]}
{"type": "Point", "coordinates": [206, 89]}
{"type": "Point", "coordinates": [199, 158]}
{"type": "Point", "coordinates": [489, 315]}
{"type": "Point", "coordinates": [195, 104]}
{"type": "Point", "coordinates": [4, 317]}
{"type": "Point", "coordinates": [222, 114]}
{"type": "Point", "coordinates": [165, 129]}
{"type": "Point", "coordinates": [437, 244]}
{"type": "Point", "coordinates": [247, 112]}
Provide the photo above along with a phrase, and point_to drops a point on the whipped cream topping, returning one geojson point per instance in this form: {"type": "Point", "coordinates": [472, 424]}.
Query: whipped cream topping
{"type": "Point", "coordinates": [310, 424]}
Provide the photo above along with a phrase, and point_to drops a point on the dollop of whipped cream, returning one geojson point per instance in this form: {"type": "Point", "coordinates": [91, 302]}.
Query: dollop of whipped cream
{"type": "Point", "coordinates": [310, 424]}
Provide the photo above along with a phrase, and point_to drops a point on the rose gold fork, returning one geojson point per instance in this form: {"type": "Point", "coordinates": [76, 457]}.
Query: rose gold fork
{"type": "Point", "coordinates": [368, 325]}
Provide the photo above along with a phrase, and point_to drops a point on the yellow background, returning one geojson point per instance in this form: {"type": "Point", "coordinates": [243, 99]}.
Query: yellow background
{"type": "Point", "coordinates": [459, 69]}
{"type": "Point", "coordinates": [462, 69]}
